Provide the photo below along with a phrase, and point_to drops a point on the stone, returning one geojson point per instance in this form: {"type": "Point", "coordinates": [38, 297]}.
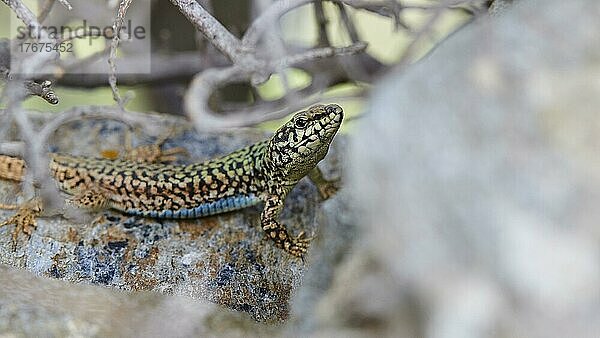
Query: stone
{"type": "Point", "coordinates": [475, 177]}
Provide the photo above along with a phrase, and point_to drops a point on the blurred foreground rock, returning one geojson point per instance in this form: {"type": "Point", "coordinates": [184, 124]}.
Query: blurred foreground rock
{"type": "Point", "coordinates": [477, 178]}
{"type": "Point", "coordinates": [41, 307]}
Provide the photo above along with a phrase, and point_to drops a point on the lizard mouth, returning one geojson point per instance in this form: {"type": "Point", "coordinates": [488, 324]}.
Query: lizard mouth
{"type": "Point", "coordinates": [332, 119]}
{"type": "Point", "coordinates": [330, 116]}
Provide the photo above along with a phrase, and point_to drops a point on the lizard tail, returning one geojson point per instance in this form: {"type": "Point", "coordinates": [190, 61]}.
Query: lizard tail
{"type": "Point", "coordinates": [12, 168]}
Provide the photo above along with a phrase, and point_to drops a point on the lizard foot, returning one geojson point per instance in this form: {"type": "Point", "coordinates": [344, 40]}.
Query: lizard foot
{"type": "Point", "coordinates": [297, 246]}
{"type": "Point", "coordinates": [329, 188]}
{"type": "Point", "coordinates": [24, 219]}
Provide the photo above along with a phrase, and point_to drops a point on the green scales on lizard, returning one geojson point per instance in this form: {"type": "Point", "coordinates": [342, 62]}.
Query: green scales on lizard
{"type": "Point", "coordinates": [263, 172]}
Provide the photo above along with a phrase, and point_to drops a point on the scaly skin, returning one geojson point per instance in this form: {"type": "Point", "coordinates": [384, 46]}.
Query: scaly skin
{"type": "Point", "coordinates": [263, 172]}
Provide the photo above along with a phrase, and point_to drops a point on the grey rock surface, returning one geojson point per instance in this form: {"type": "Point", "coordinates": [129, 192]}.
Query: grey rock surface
{"type": "Point", "coordinates": [223, 259]}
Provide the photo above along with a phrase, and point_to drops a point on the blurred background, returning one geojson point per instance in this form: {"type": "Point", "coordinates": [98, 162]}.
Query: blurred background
{"type": "Point", "coordinates": [387, 28]}
{"type": "Point", "coordinates": [469, 160]}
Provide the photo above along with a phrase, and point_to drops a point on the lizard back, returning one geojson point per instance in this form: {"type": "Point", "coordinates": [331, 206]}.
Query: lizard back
{"type": "Point", "coordinates": [223, 184]}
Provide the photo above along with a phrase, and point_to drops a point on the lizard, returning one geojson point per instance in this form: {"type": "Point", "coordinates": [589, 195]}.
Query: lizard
{"type": "Point", "coordinates": [263, 172]}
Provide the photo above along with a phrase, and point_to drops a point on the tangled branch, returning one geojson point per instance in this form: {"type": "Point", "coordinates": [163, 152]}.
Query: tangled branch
{"type": "Point", "coordinates": [250, 59]}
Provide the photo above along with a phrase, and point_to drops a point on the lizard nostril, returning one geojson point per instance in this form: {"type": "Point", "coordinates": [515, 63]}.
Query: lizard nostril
{"type": "Point", "coordinates": [331, 109]}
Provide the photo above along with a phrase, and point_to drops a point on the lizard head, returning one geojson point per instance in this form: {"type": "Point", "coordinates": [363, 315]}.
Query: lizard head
{"type": "Point", "coordinates": [297, 146]}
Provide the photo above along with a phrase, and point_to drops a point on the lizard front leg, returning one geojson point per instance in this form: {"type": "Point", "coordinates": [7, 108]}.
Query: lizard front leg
{"type": "Point", "coordinates": [326, 188]}
{"type": "Point", "coordinates": [277, 232]}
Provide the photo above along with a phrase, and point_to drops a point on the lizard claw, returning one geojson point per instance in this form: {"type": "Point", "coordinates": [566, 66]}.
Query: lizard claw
{"type": "Point", "coordinates": [298, 246]}
{"type": "Point", "coordinates": [328, 189]}
{"type": "Point", "coordinates": [24, 219]}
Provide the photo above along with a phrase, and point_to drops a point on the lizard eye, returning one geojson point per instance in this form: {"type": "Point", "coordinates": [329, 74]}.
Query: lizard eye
{"type": "Point", "coordinates": [301, 122]}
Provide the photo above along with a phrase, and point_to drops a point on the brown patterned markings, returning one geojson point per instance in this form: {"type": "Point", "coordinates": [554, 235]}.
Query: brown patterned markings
{"type": "Point", "coordinates": [182, 184]}
{"type": "Point", "coordinates": [127, 181]}
{"type": "Point", "coordinates": [69, 173]}
{"type": "Point", "coordinates": [135, 183]}
{"type": "Point", "coordinates": [118, 181]}
{"type": "Point", "coordinates": [143, 197]}
{"type": "Point", "coordinates": [164, 185]}
{"type": "Point", "coordinates": [123, 191]}
{"type": "Point", "coordinates": [128, 204]}
{"type": "Point", "coordinates": [178, 201]}
{"type": "Point", "coordinates": [223, 178]}
{"type": "Point", "coordinates": [198, 198]}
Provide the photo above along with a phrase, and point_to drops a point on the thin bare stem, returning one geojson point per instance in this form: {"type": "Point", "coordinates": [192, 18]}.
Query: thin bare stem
{"type": "Point", "coordinates": [426, 29]}
{"type": "Point", "coordinates": [320, 53]}
{"type": "Point", "coordinates": [212, 29]}
{"type": "Point", "coordinates": [46, 7]}
{"type": "Point", "coordinates": [112, 59]}
{"type": "Point", "coordinates": [267, 18]}
{"type": "Point", "coordinates": [25, 14]}
{"type": "Point", "coordinates": [322, 22]}
{"type": "Point", "coordinates": [66, 4]}
{"type": "Point", "coordinates": [348, 23]}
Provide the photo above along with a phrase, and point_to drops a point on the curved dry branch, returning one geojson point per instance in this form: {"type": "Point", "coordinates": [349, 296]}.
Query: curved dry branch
{"type": "Point", "coordinates": [267, 19]}
{"type": "Point", "coordinates": [167, 68]}
{"type": "Point", "coordinates": [84, 112]}
{"type": "Point", "coordinates": [212, 29]}
{"type": "Point", "coordinates": [199, 92]}
{"type": "Point", "coordinates": [25, 14]}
